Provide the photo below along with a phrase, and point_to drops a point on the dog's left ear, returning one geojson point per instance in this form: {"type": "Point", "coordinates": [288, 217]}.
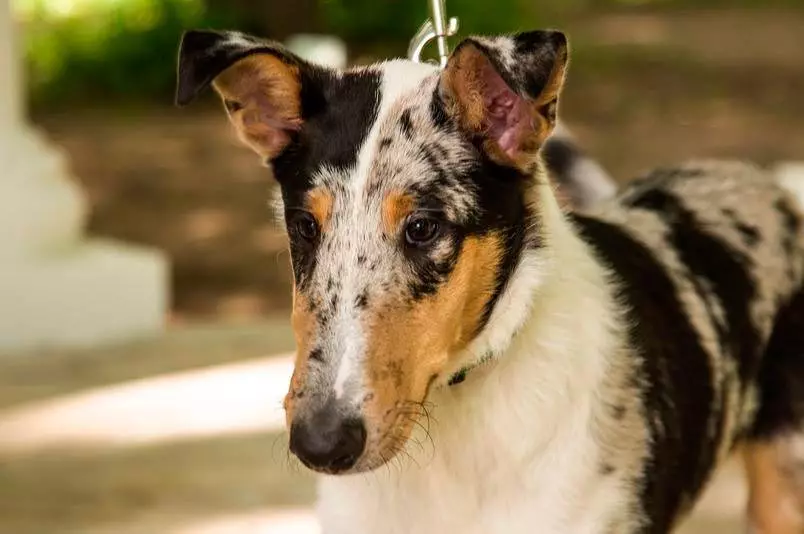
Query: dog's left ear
{"type": "Point", "coordinates": [259, 81]}
{"type": "Point", "coordinates": [505, 90]}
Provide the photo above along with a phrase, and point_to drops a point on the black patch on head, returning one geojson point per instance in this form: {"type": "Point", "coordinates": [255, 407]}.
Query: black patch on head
{"type": "Point", "coordinates": [406, 124]}
{"type": "Point", "coordinates": [676, 379]}
{"type": "Point", "coordinates": [337, 113]}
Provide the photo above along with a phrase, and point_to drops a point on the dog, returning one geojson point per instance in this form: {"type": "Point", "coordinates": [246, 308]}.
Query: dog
{"type": "Point", "coordinates": [475, 355]}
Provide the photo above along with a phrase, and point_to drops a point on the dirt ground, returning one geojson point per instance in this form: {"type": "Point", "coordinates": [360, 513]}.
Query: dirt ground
{"type": "Point", "coordinates": [644, 90]}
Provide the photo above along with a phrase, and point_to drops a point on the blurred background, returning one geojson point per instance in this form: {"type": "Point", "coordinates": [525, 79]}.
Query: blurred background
{"type": "Point", "coordinates": [144, 347]}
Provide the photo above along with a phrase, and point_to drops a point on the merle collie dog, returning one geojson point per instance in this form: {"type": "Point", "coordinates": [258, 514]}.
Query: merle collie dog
{"type": "Point", "coordinates": [474, 354]}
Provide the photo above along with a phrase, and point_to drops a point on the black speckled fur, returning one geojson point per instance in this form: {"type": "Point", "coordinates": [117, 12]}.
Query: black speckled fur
{"type": "Point", "coordinates": [695, 253]}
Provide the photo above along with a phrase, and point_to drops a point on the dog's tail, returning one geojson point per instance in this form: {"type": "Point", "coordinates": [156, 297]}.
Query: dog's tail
{"type": "Point", "coordinates": [579, 177]}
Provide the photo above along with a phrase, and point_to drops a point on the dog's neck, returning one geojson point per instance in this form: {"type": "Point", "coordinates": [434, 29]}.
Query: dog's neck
{"type": "Point", "coordinates": [561, 260]}
{"type": "Point", "coordinates": [547, 344]}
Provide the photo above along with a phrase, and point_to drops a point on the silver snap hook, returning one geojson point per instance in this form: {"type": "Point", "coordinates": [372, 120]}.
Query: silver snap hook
{"type": "Point", "coordinates": [437, 27]}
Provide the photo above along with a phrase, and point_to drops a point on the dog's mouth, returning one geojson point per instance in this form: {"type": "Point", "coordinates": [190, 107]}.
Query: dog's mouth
{"type": "Point", "coordinates": [338, 436]}
{"type": "Point", "coordinates": [332, 444]}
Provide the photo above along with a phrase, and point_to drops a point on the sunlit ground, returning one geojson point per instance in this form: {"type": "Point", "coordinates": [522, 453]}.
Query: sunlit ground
{"type": "Point", "coordinates": [230, 399]}
{"type": "Point", "coordinates": [198, 451]}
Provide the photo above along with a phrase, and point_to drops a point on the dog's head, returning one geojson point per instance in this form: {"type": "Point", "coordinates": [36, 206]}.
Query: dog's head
{"type": "Point", "coordinates": [405, 192]}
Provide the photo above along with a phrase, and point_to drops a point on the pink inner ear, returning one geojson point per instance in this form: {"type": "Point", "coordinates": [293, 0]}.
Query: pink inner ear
{"type": "Point", "coordinates": [507, 115]}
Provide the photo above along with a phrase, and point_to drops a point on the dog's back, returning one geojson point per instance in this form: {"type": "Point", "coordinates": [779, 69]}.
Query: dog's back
{"type": "Point", "coordinates": [710, 259]}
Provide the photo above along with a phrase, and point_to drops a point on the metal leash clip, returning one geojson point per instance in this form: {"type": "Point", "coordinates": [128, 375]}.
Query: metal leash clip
{"type": "Point", "coordinates": [438, 28]}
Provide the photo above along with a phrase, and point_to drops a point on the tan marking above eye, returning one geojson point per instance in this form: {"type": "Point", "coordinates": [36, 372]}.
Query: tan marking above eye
{"type": "Point", "coordinates": [319, 201]}
{"type": "Point", "coordinates": [396, 206]}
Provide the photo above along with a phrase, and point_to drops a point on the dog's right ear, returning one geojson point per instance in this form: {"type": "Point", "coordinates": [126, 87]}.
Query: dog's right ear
{"type": "Point", "coordinates": [259, 82]}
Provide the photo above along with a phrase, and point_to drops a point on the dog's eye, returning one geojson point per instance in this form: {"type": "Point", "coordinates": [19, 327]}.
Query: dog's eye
{"type": "Point", "coordinates": [306, 226]}
{"type": "Point", "coordinates": [421, 230]}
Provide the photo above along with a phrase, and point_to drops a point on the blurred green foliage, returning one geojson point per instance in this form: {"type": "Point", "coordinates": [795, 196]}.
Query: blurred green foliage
{"type": "Point", "coordinates": [124, 50]}
{"type": "Point", "coordinates": [397, 20]}
{"type": "Point", "coordinates": [107, 49]}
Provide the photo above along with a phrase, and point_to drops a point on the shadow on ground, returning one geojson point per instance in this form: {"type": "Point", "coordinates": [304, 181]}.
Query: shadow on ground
{"type": "Point", "coordinates": [76, 490]}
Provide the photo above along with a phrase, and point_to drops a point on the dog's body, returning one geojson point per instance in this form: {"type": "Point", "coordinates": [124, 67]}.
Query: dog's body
{"type": "Point", "coordinates": [613, 358]}
{"type": "Point", "coordinates": [598, 421]}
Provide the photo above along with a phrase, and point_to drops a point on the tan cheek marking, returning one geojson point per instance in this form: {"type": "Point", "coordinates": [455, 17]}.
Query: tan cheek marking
{"type": "Point", "coordinates": [267, 94]}
{"type": "Point", "coordinates": [481, 283]}
{"type": "Point", "coordinates": [303, 322]}
{"type": "Point", "coordinates": [319, 201]}
{"type": "Point", "coordinates": [774, 504]}
{"type": "Point", "coordinates": [395, 207]}
{"type": "Point", "coordinates": [408, 344]}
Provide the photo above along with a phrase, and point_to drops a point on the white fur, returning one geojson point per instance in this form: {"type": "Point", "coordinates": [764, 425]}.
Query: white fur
{"type": "Point", "coordinates": [351, 331]}
{"type": "Point", "coordinates": [398, 77]}
{"type": "Point", "coordinates": [513, 448]}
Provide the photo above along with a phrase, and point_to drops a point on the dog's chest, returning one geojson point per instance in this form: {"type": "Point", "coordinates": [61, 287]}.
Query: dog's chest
{"type": "Point", "coordinates": [501, 487]}
{"type": "Point", "coordinates": [548, 500]}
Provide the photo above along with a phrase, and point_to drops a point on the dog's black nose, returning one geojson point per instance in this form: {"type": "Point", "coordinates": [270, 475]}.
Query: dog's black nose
{"type": "Point", "coordinates": [327, 441]}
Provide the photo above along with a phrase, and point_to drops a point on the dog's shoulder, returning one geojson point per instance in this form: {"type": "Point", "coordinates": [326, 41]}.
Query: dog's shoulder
{"type": "Point", "coordinates": [702, 256]}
